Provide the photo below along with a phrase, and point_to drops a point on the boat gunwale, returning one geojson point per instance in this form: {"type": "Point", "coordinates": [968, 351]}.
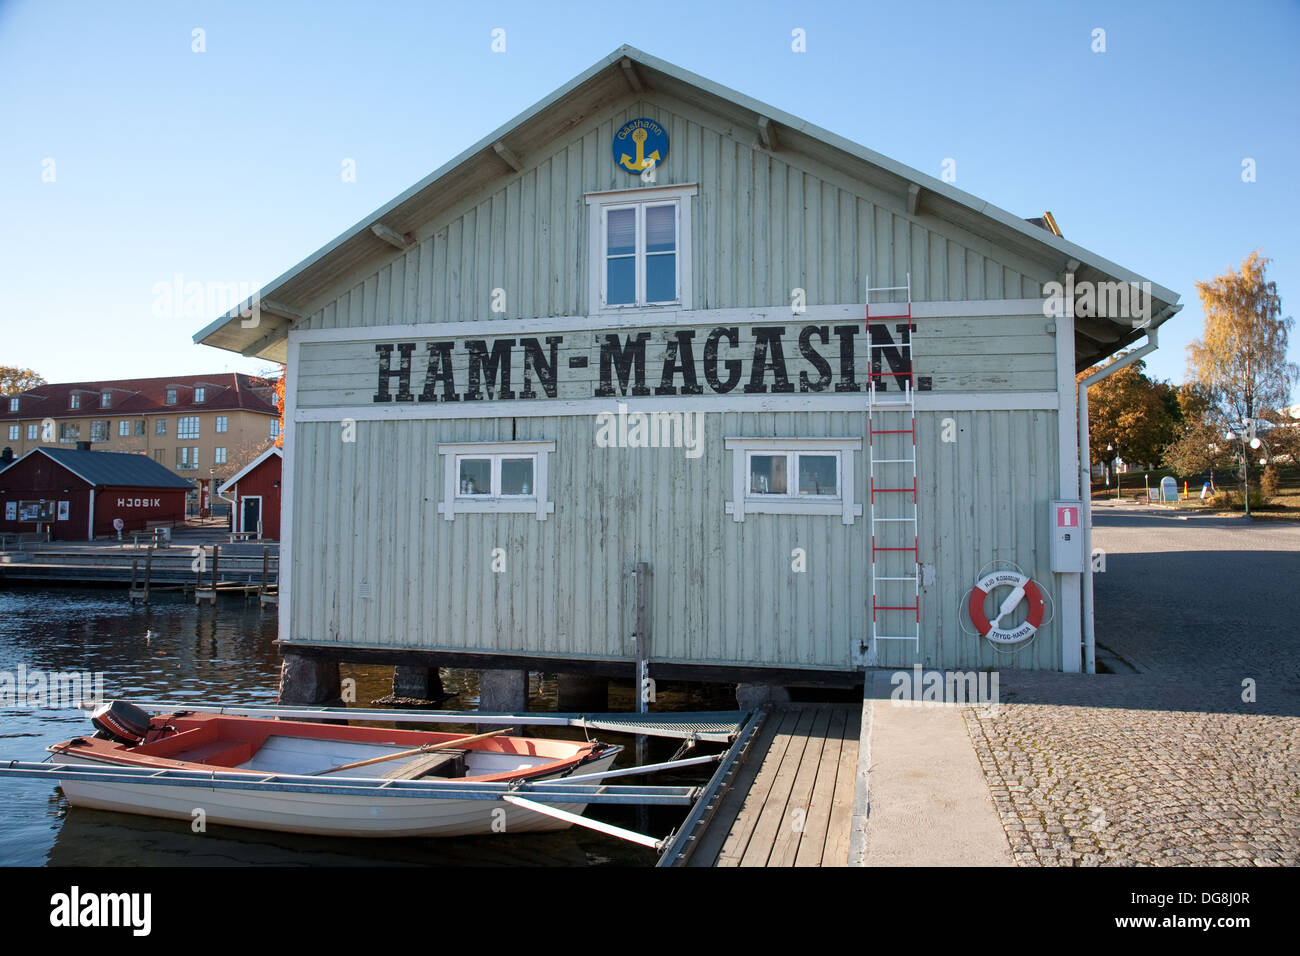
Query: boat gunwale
{"type": "Point", "coordinates": [112, 753]}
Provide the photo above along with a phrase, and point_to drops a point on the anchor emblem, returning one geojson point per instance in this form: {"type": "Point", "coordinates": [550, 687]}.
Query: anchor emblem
{"type": "Point", "coordinates": [639, 137]}
{"type": "Point", "coordinates": [648, 148]}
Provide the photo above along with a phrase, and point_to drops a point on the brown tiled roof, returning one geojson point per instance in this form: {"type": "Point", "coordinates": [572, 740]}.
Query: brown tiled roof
{"type": "Point", "coordinates": [224, 391]}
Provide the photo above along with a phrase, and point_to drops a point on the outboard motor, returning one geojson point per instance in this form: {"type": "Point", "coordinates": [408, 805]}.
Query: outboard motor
{"type": "Point", "coordinates": [122, 722]}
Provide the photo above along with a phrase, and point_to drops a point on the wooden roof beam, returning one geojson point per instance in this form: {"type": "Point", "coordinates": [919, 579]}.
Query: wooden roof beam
{"type": "Point", "coordinates": [913, 198]}
{"type": "Point", "coordinates": [282, 311]}
{"type": "Point", "coordinates": [391, 236]}
{"type": "Point", "coordinates": [767, 134]}
{"type": "Point", "coordinates": [508, 156]}
{"type": "Point", "coordinates": [267, 340]}
{"type": "Point", "coordinates": [630, 74]}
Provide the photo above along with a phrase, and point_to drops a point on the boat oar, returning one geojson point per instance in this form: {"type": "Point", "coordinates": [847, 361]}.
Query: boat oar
{"type": "Point", "coordinates": [427, 748]}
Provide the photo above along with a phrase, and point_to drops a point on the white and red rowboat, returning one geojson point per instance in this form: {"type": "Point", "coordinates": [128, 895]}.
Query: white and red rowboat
{"type": "Point", "coordinates": [294, 759]}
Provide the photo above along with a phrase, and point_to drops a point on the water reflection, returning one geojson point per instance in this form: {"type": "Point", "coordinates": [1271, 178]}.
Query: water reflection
{"type": "Point", "coordinates": [173, 650]}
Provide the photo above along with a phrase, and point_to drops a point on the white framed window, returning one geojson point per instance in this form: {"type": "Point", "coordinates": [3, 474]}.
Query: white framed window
{"type": "Point", "coordinates": [640, 248]}
{"type": "Point", "coordinates": [124, 429]}
{"type": "Point", "coordinates": [33, 432]}
{"type": "Point", "coordinates": [495, 477]}
{"type": "Point", "coordinates": [13, 432]}
{"type": "Point", "coordinates": [793, 476]}
{"type": "Point", "coordinates": [139, 428]}
{"type": "Point", "coordinates": [199, 394]}
{"type": "Point", "coordinates": [13, 404]}
{"type": "Point", "coordinates": [160, 426]}
{"type": "Point", "coordinates": [99, 430]}
{"type": "Point", "coordinates": [69, 431]}
{"type": "Point", "coordinates": [187, 459]}
{"type": "Point", "coordinates": [223, 423]}
{"type": "Point", "coordinates": [105, 399]}
{"type": "Point", "coordinates": [219, 457]}
{"type": "Point", "coordinates": [275, 429]}
{"type": "Point", "coordinates": [74, 400]}
{"type": "Point", "coordinates": [187, 426]}
{"type": "Point", "coordinates": [170, 398]}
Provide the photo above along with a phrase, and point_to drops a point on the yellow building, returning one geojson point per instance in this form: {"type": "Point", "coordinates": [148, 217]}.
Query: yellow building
{"type": "Point", "coordinates": [202, 427]}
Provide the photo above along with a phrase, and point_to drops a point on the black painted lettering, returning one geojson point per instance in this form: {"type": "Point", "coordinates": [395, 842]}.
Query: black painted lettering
{"type": "Point", "coordinates": [386, 372]}
{"type": "Point", "coordinates": [848, 382]}
{"type": "Point", "coordinates": [537, 363]}
{"type": "Point", "coordinates": [493, 366]}
{"type": "Point", "coordinates": [900, 365]}
{"type": "Point", "coordinates": [814, 358]}
{"type": "Point", "coordinates": [768, 354]}
{"type": "Point", "coordinates": [679, 357]}
{"type": "Point", "coordinates": [732, 335]}
{"type": "Point", "coordinates": [439, 370]}
{"type": "Point", "coordinates": [627, 360]}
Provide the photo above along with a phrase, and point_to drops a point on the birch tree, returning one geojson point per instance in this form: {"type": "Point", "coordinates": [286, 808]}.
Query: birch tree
{"type": "Point", "coordinates": [1240, 360]}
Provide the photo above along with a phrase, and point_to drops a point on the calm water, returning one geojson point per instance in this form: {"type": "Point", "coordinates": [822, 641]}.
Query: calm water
{"type": "Point", "coordinates": [176, 651]}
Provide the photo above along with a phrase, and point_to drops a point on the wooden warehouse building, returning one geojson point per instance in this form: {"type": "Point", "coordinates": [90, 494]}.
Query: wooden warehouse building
{"type": "Point", "coordinates": [71, 494]}
{"type": "Point", "coordinates": [254, 494]}
{"type": "Point", "coordinates": [820, 395]}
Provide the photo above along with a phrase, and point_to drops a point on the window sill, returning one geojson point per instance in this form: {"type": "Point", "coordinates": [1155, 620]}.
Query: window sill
{"type": "Point", "coordinates": [794, 507]}
{"type": "Point", "coordinates": [499, 506]}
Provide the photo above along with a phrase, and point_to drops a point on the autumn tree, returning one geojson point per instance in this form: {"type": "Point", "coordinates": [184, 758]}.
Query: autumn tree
{"type": "Point", "coordinates": [1281, 436]}
{"type": "Point", "coordinates": [15, 380]}
{"type": "Point", "coordinates": [1131, 414]}
{"type": "Point", "coordinates": [1240, 360]}
{"type": "Point", "coordinates": [279, 404]}
{"type": "Point", "coordinates": [1199, 445]}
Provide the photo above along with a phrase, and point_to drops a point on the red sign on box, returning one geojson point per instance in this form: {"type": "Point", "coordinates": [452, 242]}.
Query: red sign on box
{"type": "Point", "coordinates": [1067, 516]}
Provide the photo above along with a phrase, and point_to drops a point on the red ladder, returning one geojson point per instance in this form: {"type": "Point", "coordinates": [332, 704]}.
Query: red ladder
{"type": "Point", "coordinates": [895, 541]}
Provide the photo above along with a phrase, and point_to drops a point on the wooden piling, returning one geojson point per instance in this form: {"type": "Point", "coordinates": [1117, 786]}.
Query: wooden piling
{"type": "Point", "coordinates": [642, 668]}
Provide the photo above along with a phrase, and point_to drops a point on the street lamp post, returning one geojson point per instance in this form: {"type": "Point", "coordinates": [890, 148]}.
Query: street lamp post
{"type": "Point", "coordinates": [1245, 435]}
{"type": "Point", "coordinates": [1114, 446]}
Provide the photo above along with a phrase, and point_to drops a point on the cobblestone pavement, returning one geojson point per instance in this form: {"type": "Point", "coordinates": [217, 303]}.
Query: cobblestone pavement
{"type": "Point", "coordinates": [1167, 765]}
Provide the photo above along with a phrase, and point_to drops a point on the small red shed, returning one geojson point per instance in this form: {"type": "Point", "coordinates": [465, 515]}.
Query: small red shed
{"type": "Point", "coordinates": [255, 494]}
{"type": "Point", "coordinates": [78, 494]}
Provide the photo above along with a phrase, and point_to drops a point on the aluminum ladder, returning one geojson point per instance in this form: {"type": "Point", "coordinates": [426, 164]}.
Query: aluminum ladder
{"type": "Point", "coordinates": [892, 476]}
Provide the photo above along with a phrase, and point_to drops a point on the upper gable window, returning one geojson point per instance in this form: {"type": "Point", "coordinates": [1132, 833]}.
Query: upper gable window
{"type": "Point", "coordinates": [640, 249]}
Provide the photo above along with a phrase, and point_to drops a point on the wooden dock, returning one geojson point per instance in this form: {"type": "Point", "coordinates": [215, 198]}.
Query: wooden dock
{"type": "Point", "coordinates": [791, 801]}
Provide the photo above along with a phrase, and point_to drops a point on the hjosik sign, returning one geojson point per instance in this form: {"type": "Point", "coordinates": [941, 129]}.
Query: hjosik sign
{"type": "Point", "coordinates": [765, 359]}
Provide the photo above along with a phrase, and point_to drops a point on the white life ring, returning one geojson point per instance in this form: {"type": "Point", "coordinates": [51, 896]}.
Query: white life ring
{"type": "Point", "coordinates": [1023, 588]}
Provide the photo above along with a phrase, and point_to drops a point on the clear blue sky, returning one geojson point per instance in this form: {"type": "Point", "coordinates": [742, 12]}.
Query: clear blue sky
{"type": "Point", "coordinates": [224, 166]}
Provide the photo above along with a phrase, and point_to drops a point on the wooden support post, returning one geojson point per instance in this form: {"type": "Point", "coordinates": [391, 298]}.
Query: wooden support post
{"type": "Point", "coordinates": [134, 568]}
{"type": "Point", "coordinates": [148, 574]}
{"type": "Point", "coordinates": [643, 685]}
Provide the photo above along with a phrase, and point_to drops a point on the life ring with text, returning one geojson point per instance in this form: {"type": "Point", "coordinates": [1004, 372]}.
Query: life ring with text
{"type": "Point", "coordinates": [1022, 588]}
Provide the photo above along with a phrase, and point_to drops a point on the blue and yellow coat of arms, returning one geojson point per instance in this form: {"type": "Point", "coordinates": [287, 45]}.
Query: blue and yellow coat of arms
{"type": "Point", "coordinates": [640, 144]}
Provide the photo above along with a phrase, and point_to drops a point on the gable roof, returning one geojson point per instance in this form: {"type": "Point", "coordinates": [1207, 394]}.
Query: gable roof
{"type": "Point", "coordinates": [273, 451]}
{"type": "Point", "coordinates": [112, 469]}
{"type": "Point", "coordinates": [224, 391]}
{"type": "Point", "coordinates": [289, 297]}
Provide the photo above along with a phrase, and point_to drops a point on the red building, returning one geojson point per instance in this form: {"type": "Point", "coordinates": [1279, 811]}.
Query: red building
{"type": "Point", "coordinates": [255, 494]}
{"type": "Point", "coordinates": [78, 494]}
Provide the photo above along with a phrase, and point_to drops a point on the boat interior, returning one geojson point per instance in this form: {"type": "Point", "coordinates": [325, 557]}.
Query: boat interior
{"type": "Point", "coordinates": [287, 747]}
